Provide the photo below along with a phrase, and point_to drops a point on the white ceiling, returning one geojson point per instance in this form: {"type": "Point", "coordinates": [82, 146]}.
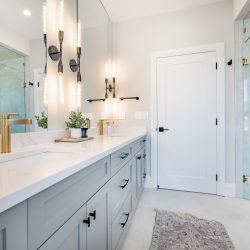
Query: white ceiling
{"type": "Point", "coordinates": [120, 10]}
{"type": "Point", "coordinates": [11, 15]}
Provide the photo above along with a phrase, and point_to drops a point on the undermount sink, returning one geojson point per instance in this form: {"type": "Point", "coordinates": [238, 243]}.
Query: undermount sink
{"type": "Point", "coordinates": [30, 153]}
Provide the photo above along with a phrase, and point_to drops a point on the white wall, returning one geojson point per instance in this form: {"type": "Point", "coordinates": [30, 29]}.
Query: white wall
{"type": "Point", "coordinates": [13, 40]}
{"type": "Point", "coordinates": [135, 40]}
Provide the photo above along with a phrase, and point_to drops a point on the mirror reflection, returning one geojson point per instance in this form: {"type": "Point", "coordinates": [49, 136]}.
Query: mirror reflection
{"type": "Point", "coordinates": [22, 63]}
{"type": "Point", "coordinates": [96, 52]}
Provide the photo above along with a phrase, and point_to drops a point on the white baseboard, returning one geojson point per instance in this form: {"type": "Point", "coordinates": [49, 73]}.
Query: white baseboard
{"type": "Point", "coordinates": [149, 183]}
{"type": "Point", "coordinates": [229, 189]}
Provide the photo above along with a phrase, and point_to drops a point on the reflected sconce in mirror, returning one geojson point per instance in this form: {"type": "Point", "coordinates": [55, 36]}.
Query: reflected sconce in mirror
{"type": "Point", "coordinates": [109, 87]}
{"type": "Point", "coordinates": [75, 66]}
{"type": "Point", "coordinates": [45, 94]}
{"type": "Point", "coordinates": [56, 54]}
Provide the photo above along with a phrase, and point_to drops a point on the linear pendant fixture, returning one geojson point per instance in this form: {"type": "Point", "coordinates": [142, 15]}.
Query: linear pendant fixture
{"type": "Point", "coordinates": [75, 66]}
{"type": "Point", "coordinates": [45, 94]}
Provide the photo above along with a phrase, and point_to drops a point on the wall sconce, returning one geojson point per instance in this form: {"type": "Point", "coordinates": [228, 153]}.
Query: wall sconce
{"type": "Point", "coordinates": [56, 54]}
{"type": "Point", "coordinates": [75, 66]}
{"type": "Point", "coordinates": [45, 94]}
{"type": "Point", "coordinates": [109, 87]}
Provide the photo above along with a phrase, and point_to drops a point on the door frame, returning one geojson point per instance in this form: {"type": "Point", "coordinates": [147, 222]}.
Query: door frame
{"type": "Point", "coordinates": [219, 48]}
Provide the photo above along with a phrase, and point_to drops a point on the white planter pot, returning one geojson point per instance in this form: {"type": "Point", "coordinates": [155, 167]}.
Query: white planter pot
{"type": "Point", "coordinates": [75, 133]}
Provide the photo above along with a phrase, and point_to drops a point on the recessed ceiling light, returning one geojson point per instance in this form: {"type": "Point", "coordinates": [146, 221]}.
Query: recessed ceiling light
{"type": "Point", "coordinates": [27, 13]}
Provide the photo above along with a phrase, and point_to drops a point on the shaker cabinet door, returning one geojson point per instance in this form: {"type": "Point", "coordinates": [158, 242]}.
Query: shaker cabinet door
{"type": "Point", "coordinates": [71, 236]}
{"type": "Point", "coordinates": [98, 232]}
{"type": "Point", "coordinates": [13, 228]}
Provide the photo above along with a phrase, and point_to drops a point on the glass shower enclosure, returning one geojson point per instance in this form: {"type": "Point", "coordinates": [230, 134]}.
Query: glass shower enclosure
{"type": "Point", "coordinates": [12, 85]}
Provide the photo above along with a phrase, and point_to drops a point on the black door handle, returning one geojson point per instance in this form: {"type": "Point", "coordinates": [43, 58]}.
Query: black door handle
{"type": "Point", "coordinates": [87, 222]}
{"type": "Point", "coordinates": [127, 181]}
{"type": "Point", "coordinates": [124, 224]}
{"type": "Point", "coordinates": [162, 129]}
{"type": "Point", "coordinates": [93, 214]}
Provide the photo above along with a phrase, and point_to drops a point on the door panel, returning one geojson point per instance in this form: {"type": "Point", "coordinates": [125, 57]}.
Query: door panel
{"type": "Point", "coordinates": [186, 87]}
{"type": "Point", "coordinates": [97, 210]}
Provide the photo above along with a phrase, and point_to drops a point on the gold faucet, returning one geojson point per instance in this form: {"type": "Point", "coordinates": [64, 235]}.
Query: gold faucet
{"type": "Point", "coordinates": [6, 130]}
{"type": "Point", "coordinates": [102, 123]}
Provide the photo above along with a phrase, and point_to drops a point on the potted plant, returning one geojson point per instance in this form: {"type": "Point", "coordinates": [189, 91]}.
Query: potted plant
{"type": "Point", "coordinates": [42, 120]}
{"type": "Point", "coordinates": [75, 123]}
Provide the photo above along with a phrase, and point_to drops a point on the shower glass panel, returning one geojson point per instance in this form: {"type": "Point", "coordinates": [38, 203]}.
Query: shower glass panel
{"type": "Point", "coordinates": [12, 85]}
{"type": "Point", "coordinates": [246, 79]}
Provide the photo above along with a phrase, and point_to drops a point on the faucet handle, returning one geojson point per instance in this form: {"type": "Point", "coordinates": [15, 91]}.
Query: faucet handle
{"type": "Point", "coordinates": [7, 116]}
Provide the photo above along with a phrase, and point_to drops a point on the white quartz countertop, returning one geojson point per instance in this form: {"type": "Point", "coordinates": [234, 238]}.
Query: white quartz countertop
{"type": "Point", "coordinates": [25, 177]}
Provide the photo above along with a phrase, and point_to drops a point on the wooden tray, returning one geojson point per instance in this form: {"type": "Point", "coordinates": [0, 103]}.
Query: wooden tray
{"type": "Point", "coordinates": [73, 140]}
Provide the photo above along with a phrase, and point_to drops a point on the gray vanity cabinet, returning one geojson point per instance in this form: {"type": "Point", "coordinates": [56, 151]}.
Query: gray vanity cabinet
{"type": "Point", "coordinates": [139, 173]}
{"type": "Point", "coordinates": [97, 213]}
{"type": "Point", "coordinates": [86, 229]}
{"type": "Point", "coordinates": [13, 228]}
{"type": "Point", "coordinates": [50, 209]}
{"type": "Point", "coordinates": [71, 236]}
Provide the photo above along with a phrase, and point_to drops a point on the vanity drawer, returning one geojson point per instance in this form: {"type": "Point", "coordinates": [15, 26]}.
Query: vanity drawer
{"type": "Point", "coordinates": [121, 223]}
{"type": "Point", "coordinates": [119, 187]}
{"type": "Point", "coordinates": [50, 209]}
{"type": "Point", "coordinates": [119, 158]}
{"type": "Point", "coordinates": [138, 144]}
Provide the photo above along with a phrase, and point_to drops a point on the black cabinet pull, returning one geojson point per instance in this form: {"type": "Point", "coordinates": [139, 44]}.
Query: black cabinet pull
{"type": "Point", "coordinates": [93, 215]}
{"type": "Point", "coordinates": [144, 156]}
{"type": "Point", "coordinates": [139, 157]}
{"type": "Point", "coordinates": [144, 140]}
{"type": "Point", "coordinates": [124, 156]}
{"type": "Point", "coordinates": [127, 181]}
{"type": "Point", "coordinates": [144, 176]}
{"type": "Point", "coordinates": [87, 222]}
{"type": "Point", "coordinates": [124, 223]}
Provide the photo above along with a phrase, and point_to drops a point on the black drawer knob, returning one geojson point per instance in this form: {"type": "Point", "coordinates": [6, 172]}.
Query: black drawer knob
{"type": "Point", "coordinates": [124, 156]}
{"type": "Point", "coordinates": [125, 222]}
{"type": "Point", "coordinates": [93, 215]}
{"type": "Point", "coordinates": [87, 222]}
{"type": "Point", "coordinates": [126, 183]}
{"type": "Point", "coordinates": [139, 157]}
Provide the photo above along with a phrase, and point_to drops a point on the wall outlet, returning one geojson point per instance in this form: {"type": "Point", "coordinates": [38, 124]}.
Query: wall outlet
{"type": "Point", "coordinates": [142, 115]}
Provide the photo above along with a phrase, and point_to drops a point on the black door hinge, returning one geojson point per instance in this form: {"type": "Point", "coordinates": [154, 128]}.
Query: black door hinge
{"type": "Point", "coordinates": [216, 121]}
{"type": "Point", "coordinates": [216, 65]}
{"type": "Point", "coordinates": [216, 177]}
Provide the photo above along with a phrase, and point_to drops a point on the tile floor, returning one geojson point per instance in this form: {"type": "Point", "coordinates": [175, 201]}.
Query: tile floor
{"type": "Point", "coordinates": [232, 212]}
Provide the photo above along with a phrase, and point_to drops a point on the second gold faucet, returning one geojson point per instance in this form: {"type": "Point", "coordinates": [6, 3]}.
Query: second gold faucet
{"type": "Point", "coordinates": [6, 130]}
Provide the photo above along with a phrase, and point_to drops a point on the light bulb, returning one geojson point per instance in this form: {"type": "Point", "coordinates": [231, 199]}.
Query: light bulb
{"type": "Point", "coordinates": [61, 88]}
{"type": "Point", "coordinates": [79, 34]}
{"type": "Point", "coordinates": [44, 18]}
{"type": "Point", "coordinates": [61, 15]}
{"type": "Point", "coordinates": [78, 94]}
{"type": "Point", "coordinates": [45, 94]}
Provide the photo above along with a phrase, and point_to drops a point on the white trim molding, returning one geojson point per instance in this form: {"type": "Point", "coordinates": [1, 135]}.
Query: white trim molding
{"type": "Point", "coordinates": [219, 48]}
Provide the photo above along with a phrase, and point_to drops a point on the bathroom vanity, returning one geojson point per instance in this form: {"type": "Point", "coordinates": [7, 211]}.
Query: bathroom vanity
{"type": "Point", "coordinates": [79, 197]}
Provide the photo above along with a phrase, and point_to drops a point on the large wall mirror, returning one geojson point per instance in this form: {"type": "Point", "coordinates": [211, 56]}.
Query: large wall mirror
{"type": "Point", "coordinates": [96, 52]}
{"type": "Point", "coordinates": [22, 62]}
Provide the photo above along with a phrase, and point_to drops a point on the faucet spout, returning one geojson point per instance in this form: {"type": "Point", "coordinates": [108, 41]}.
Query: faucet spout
{"type": "Point", "coordinates": [6, 130]}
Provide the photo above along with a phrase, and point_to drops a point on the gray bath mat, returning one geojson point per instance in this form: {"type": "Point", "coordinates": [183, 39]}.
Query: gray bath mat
{"type": "Point", "coordinates": [174, 231]}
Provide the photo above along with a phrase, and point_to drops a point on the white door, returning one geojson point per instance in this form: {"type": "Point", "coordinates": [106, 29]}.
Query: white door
{"type": "Point", "coordinates": [186, 89]}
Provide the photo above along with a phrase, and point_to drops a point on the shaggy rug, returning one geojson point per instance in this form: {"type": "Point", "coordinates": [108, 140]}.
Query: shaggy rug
{"type": "Point", "coordinates": [174, 231]}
